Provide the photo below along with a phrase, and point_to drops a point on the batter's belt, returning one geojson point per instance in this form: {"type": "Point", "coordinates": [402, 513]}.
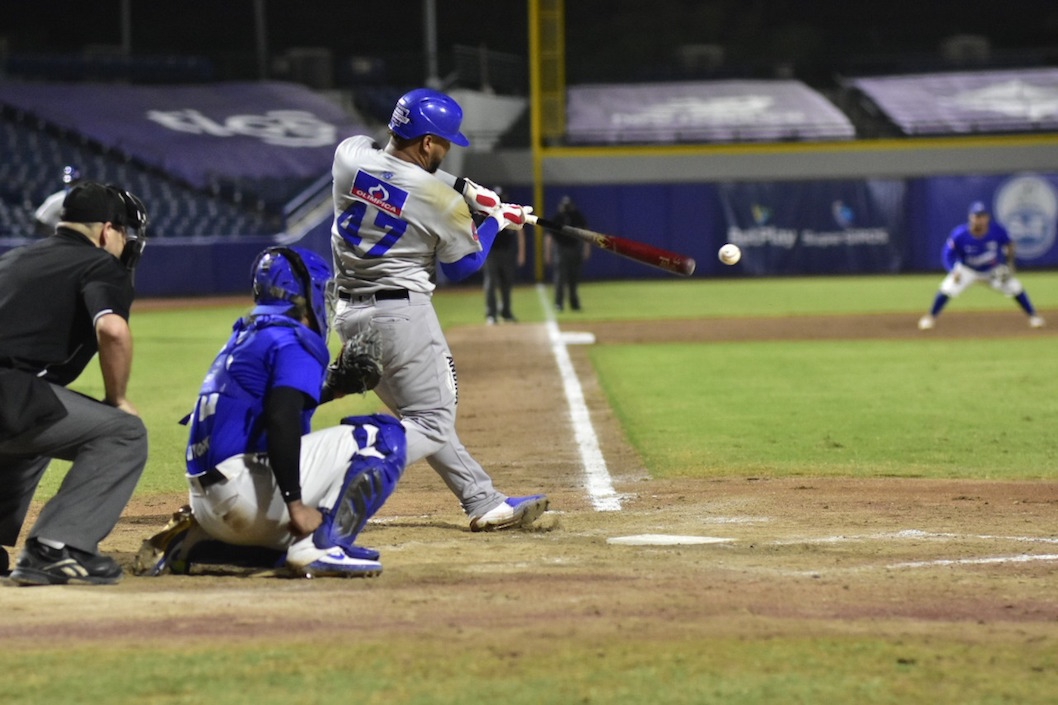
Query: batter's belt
{"type": "Point", "coordinates": [382, 295]}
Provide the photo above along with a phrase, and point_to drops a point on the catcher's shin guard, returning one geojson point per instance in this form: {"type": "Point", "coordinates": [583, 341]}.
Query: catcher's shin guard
{"type": "Point", "coordinates": [369, 481]}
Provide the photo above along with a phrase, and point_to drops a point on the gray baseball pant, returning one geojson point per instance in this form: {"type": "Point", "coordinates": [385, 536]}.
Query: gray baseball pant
{"type": "Point", "coordinates": [419, 385]}
{"type": "Point", "coordinates": [108, 449]}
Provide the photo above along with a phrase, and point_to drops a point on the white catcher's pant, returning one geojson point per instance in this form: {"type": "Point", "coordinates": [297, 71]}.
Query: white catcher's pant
{"type": "Point", "coordinates": [960, 277]}
{"type": "Point", "coordinates": [248, 509]}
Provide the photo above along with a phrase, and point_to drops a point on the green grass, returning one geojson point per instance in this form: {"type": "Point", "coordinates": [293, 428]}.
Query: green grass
{"type": "Point", "coordinates": [711, 668]}
{"type": "Point", "coordinates": [967, 409]}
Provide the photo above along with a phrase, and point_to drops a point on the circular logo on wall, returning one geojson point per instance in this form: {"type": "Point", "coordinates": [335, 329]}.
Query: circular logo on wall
{"type": "Point", "coordinates": [1027, 206]}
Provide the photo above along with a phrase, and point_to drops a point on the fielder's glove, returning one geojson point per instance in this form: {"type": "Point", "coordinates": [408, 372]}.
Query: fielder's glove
{"type": "Point", "coordinates": [358, 366]}
{"type": "Point", "coordinates": [1001, 273]}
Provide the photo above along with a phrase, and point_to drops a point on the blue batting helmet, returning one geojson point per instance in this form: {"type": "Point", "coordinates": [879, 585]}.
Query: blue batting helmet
{"type": "Point", "coordinates": [293, 276]}
{"type": "Point", "coordinates": [425, 111]}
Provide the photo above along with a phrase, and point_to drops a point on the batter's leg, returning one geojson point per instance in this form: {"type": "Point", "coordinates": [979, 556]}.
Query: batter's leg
{"type": "Point", "coordinates": [465, 477]}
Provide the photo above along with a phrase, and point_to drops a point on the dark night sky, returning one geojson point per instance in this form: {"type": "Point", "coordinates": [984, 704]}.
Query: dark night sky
{"type": "Point", "coordinates": [606, 39]}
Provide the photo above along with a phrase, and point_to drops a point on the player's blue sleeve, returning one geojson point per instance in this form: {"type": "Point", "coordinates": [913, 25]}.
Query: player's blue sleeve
{"type": "Point", "coordinates": [295, 367]}
{"type": "Point", "coordinates": [464, 267]}
{"type": "Point", "coordinates": [947, 255]}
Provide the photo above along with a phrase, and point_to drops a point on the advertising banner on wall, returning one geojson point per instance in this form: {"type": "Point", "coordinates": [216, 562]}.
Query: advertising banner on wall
{"type": "Point", "coordinates": [816, 227]}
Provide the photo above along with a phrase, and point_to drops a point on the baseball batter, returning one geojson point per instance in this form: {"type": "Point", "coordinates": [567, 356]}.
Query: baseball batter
{"type": "Point", "coordinates": [395, 217]}
{"type": "Point", "coordinates": [979, 251]}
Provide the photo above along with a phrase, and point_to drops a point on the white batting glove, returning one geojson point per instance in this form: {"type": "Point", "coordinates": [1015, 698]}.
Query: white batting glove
{"type": "Point", "coordinates": [510, 215]}
{"type": "Point", "coordinates": [479, 198]}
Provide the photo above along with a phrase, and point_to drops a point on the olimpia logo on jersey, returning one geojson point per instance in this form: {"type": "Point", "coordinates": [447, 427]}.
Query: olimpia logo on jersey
{"type": "Point", "coordinates": [282, 128]}
{"type": "Point", "coordinates": [1027, 206]}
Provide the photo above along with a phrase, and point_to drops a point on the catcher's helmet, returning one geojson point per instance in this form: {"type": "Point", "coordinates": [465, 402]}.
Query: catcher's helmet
{"type": "Point", "coordinates": [293, 276]}
{"type": "Point", "coordinates": [425, 111]}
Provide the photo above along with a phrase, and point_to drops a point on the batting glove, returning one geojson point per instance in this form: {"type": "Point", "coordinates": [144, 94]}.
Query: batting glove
{"type": "Point", "coordinates": [479, 198]}
{"type": "Point", "coordinates": [510, 215]}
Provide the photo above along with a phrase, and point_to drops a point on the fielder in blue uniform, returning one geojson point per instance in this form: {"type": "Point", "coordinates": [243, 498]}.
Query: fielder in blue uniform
{"type": "Point", "coordinates": [979, 251]}
{"type": "Point", "coordinates": [257, 475]}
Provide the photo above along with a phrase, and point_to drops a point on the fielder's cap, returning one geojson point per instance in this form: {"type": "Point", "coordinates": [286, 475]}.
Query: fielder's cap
{"type": "Point", "coordinates": [91, 202]}
{"type": "Point", "coordinates": [978, 208]}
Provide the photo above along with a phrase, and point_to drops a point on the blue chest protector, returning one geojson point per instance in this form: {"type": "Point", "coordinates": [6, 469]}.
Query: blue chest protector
{"type": "Point", "coordinates": [262, 353]}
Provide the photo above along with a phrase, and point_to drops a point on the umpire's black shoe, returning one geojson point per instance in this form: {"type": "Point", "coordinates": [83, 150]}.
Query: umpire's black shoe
{"type": "Point", "coordinates": [39, 564]}
{"type": "Point", "coordinates": [4, 564]}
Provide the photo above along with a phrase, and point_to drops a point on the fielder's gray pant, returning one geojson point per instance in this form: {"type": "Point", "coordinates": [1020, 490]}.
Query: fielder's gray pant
{"type": "Point", "coordinates": [108, 448]}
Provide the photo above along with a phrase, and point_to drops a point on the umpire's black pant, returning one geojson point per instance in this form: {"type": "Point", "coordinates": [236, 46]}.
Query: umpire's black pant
{"type": "Point", "coordinates": [108, 449]}
{"type": "Point", "coordinates": [567, 276]}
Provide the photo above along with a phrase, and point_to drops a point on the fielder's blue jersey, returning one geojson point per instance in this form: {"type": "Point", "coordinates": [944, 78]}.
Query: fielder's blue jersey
{"type": "Point", "coordinates": [981, 254]}
{"type": "Point", "coordinates": [267, 352]}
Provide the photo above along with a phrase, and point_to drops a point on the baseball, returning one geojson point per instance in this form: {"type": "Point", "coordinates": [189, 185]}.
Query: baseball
{"type": "Point", "coordinates": [729, 254]}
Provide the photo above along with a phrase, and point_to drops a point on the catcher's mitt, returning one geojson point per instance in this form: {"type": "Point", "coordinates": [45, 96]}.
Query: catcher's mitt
{"type": "Point", "coordinates": [358, 366]}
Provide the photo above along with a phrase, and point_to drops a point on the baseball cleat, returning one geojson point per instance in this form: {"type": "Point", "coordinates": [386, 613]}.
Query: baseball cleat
{"type": "Point", "coordinates": [926, 322]}
{"type": "Point", "coordinates": [40, 564]}
{"type": "Point", "coordinates": [168, 549]}
{"type": "Point", "coordinates": [514, 512]}
{"type": "Point", "coordinates": [305, 560]}
{"type": "Point", "coordinates": [1035, 322]}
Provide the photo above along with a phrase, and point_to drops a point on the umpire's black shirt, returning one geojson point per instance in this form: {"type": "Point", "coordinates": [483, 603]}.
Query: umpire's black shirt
{"type": "Point", "coordinates": [51, 294]}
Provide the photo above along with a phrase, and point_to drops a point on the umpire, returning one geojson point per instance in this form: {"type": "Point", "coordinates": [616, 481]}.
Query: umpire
{"type": "Point", "coordinates": [62, 299]}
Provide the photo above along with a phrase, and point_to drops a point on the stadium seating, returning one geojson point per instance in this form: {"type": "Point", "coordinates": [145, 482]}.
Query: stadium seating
{"type": "Point", "coordinates": [39, 153]}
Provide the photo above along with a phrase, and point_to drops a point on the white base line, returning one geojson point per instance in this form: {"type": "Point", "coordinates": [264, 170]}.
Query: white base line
{"type": "Point", "coordinates": [976, 561]}
{"type": "Point", "coordinates": [600, 486]}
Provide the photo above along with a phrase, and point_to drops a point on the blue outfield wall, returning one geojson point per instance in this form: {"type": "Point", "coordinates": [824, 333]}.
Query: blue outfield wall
{"type": "Point", "coordinates": [847, 226]}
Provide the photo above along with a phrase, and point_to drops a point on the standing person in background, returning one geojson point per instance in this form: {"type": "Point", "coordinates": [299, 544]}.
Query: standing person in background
{"type": "Point", "coordinates": [62, 299]}
{"type": "Point", "coordinates": [979, 251]}
{"type": "Point", "coordinates": [501, 266]}
{"type": "Point", "coordinates": [395, 217]}
{"type": "Point", "coordinates": [565, 254]}
{"type": "Point", "coordinates": [47, 214]}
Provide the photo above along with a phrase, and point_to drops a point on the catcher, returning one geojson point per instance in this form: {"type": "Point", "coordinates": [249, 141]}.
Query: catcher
{"type": "Point", "coordinates": [258, 478]}
{"type": "Point", "coordinates": [979, 251]}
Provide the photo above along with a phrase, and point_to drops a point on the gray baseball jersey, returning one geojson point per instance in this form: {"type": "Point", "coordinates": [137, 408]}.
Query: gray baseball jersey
{"type": "Point", "coordinates": [392, 221]}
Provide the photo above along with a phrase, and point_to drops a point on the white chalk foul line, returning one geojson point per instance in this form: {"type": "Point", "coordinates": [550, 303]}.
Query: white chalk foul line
{"type": "Point", "coordinates": [1023, 558]}
{"type": "Point", "coordinates": [597, 476]}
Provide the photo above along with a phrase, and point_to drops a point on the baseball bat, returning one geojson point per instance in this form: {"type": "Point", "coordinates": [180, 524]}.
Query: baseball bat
{"type": "Point", "coordinates": [638, 251]}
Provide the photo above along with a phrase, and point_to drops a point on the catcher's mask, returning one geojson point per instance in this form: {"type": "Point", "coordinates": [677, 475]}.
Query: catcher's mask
{"type": "Point", "coordinates": [293, 276]}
